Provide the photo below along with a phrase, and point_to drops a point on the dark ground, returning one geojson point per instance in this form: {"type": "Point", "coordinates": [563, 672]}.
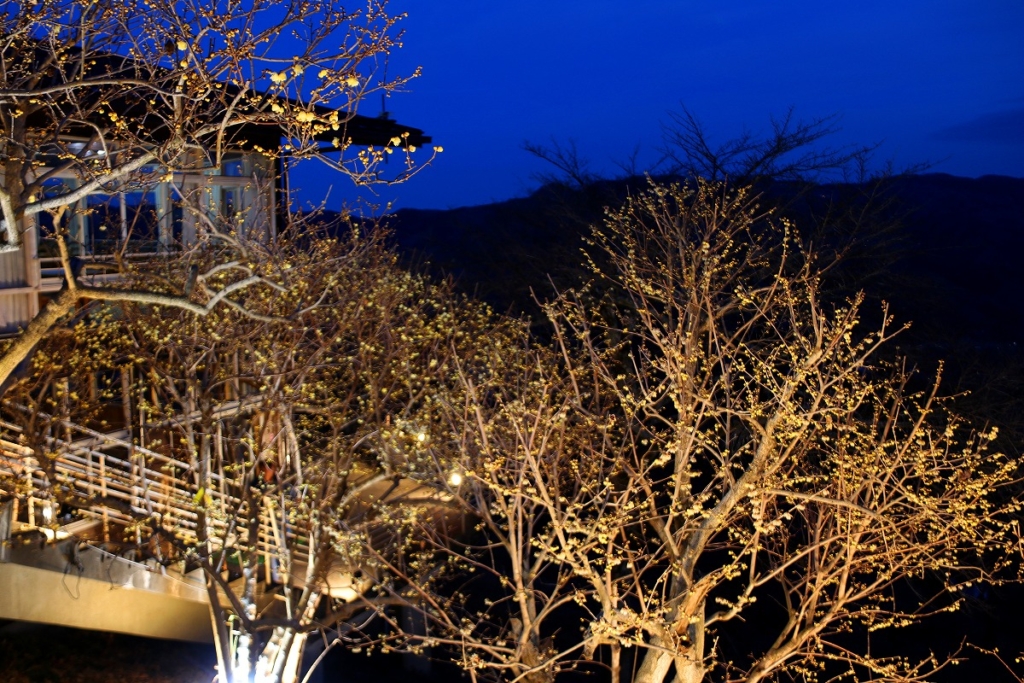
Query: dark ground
{"type": "Point", "coordinates": [34, 653]}
{"type": "Point", "coordinates": [31, 653]}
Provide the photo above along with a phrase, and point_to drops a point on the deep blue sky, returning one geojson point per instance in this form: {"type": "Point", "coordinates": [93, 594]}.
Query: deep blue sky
{"type": "Point", "coordinates": [938, 81]}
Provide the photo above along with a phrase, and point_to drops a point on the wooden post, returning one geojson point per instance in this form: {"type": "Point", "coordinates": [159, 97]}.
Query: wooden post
{"type": "Point", "coordinates": [222, 486]}
{"type": "Point", "coordinates": [138, 473]}
{"type": "Point", "coordinates": [169, 491]}
{"type": "Point", "coordinates": [33, 270]}
{"type": "Point", "coordinates": [6, 522]}
{"type": "Point", "coordinates": [103, 493]}
{"type": "Point", "coordinates": [31, 499]}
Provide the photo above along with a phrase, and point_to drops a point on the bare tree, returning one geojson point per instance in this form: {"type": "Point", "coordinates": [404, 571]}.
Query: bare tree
{"type": "Point", "coordinates": [791, 151]}
{"type": "Point", "coordinates": [572, 168]}
{"type": "Point", "coordinates": [115, 97]}
{"type": "Point", "coordinates": [847, 211]}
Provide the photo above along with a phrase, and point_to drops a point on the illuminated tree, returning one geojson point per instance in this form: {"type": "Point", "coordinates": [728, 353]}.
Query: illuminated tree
{"type": "Point", "coordinates": [291, 462]}
{"type": "Point", "coordinates": [715, 473]}
{"type": "Point", "coordinates": [122, 96]}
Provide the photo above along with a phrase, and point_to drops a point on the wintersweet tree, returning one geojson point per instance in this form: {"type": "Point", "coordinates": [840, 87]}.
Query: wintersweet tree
{"type": "Point", "coordinates": [494, 593]}
{"type": "Point", "coordinates": [290, 463]}
{"type": "Point", "coordinates": [714, 475]}
{"type": "Point", "coordinates": [109, 98]}
{"type": "Point", "coordinates": [305, 455]}
{"type": "Point", "coordinates": [785, 473]}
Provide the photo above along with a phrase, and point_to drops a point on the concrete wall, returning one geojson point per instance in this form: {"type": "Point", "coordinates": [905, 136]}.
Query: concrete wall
{"type": "Point", "coordinates": [102, 592]}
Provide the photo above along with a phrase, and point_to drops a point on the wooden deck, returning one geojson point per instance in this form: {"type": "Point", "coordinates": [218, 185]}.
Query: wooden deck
{"type": "Point", "coordinates": [89, 571]}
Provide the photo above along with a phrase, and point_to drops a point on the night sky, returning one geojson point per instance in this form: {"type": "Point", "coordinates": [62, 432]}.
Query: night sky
{"type": "Point", "coordinates": [933, 81]}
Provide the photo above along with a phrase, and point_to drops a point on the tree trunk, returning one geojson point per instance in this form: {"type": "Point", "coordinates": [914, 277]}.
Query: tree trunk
{"type": "Point", "coordinates": [281, 658]}
{"type": "Point", "coordinates": [35, 332]}
{"type": "Point", "coordinates": [657, 663]}
{"type": "Point", "coordinates": [689, 670]}
{"type": "Point", "coordinates": [293, 662]}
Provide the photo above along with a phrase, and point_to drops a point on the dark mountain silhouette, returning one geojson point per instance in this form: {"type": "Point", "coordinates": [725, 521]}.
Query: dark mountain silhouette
{"type": "Point", "coordinates": [946, 251]}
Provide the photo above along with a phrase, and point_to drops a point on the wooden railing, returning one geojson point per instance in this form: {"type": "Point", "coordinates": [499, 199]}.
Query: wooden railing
{"type": "Point", "coordinates": [125, 483]}
{"type": "Point", "coordinates": [117, 481]}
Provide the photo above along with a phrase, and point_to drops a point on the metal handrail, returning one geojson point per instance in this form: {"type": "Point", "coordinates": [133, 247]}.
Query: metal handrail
{"type": "Point", "coordinates": [85, 467]}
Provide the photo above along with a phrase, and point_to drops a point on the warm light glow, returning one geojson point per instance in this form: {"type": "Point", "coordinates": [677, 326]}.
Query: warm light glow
{"type": "Point", "coordinates": [241, 663]}
{"type": "Point", "coordinates": [421, 436]}
{"type": "Point", "coordinates": [455, 479]}
{"type": "Point", "coordinates": [263, 673]}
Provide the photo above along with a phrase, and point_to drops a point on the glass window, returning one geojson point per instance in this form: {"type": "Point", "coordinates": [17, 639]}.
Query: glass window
{"type": "Point", "coordinates": [177, 221]}
{"type": "Point", "coordinates": [112, 219]}
{"type": "Point", "coordinates": [233, 165]}
{"type": "Point", "coordinates": [55, 187]}
{"type": "Point", "coordinates": [230, 202]}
